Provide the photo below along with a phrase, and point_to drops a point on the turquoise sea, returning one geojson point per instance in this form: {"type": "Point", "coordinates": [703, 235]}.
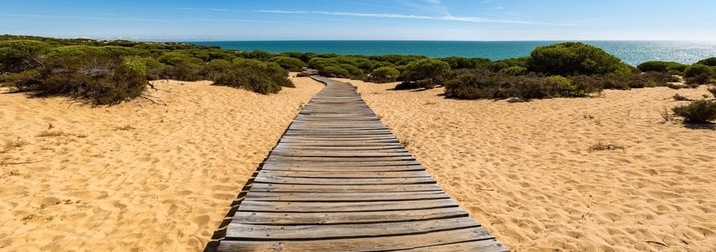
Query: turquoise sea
{"type": "Point", "coordinates": [631, 52]}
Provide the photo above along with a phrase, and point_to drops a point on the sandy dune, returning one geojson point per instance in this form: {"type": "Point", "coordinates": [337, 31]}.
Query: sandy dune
{"type": "Point", "coordinates": [525, 170]}
{"type": "Point", "coordinates": [138, 176]}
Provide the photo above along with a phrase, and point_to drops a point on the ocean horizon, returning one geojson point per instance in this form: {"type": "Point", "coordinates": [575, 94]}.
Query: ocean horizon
{"type": "Point", "coordinates": [632, 52]}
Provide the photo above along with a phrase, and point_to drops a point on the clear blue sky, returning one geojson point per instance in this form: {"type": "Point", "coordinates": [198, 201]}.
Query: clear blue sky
{"type": "Point", "coordinates": [182, 20]}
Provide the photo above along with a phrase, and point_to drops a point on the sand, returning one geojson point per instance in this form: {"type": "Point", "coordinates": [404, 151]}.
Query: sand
{"type": "Point", "coordinates": [138, 176]}
{"type": "Point", "coordinates": [526, 172]}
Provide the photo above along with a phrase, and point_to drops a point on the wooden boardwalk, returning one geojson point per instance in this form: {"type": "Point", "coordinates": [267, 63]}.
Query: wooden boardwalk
{"type": "Point", "coordinates": [339, 180]}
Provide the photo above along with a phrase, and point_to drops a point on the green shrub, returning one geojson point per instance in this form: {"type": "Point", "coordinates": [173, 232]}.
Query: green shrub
{"type": "Point", "coordinates": [259, 79]}
{"type": "Point", "coordinates": [574, 59]}
{"type": "Point", "coordinates": [661, 66]}
{"type": "Point", "coordinates": [466, 63]}
{"type": "Point", "coordinates": [563, 86]}
{"type": "Point", "coordinates": [334, 72]}
{"type": "Point", "coordinates": [698, 74]}
{"type": "Point", "coordinates": [384, 74]}
{"type": "Point", "coordinates": [514, 70]}
{"type": "Point", "coordinates": [708, 62]}
{"type": "Point", "coordinates": [488, 85]}
{"type": "Point", "coordinates": [476, 85]}
{"type": "Point", "coordinates": [353, 71]}
{"type": "Point", "coordinates": [288, 63]}
{"type": "Point", "coordinates": [696, 70]}
{"type": "Point", "coordinates": [431, 72]}
{"type": "Point", "coordinates": [675, 72]}
{"type": "Point", "coordinates": [107, 81]}
{"type": "Point", "coordinates": [700, 111]}
{"type": "Point", "coordinates": [21, 55]}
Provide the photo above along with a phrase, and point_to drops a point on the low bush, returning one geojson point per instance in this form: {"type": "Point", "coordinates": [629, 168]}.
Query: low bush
{"type": "Point", "coordinates": [259, 79]}
{"type": "Point", "coordinates": [384, 74]}
{"type": "Point", "coordinates": [675, 72]}
{"type": "Point", "coordinates": [334, 72]}
{"type": "Point", "coordinates": [428, 71]}
{"type": "Point", "coordinates": [111, 83]}
{"type": "Point", "coordinates": [288, 63]}
{"type": "Point", "coordinates": [21, 55]}
{"type": "Point", "coordinates": [488, 85]}
{"type": "Point", "coordinates": [696, 70]}
{"type": "Point", "coordinates": [661, 66]}
{"type": "Point", "coordinates": [708, 62]}
{"type": "Point", "coordinates": [573, 58]}
{"type": "Point", "coordinates": [700, 111]}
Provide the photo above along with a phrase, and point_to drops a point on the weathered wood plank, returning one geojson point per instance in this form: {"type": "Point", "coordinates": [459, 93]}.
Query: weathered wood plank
{"type": "Point", "coordinates": [346, 168]}
{"type": "Point", "coordinates": [264, 178]}
{"type": "Point", "coordinates": [315, 207]}
{"type": "Point", "coordinates": [288, 232]}
{"type": "Point", "coordinates": [384, 243]}
{"type": "Point", "coordinates": [261, 187]}
{"type": "Point", "coordinates": [271, 218]}
{"type": "Point", "coordinates": [344, 197]}
{"type": "Point", "coordinates": [346, 174]}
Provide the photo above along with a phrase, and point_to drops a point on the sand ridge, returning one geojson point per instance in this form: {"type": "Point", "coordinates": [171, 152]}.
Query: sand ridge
{"type": "Point", "coordinates": [141, 176]}
{"type": "Point", "coordinates": [526, 172]}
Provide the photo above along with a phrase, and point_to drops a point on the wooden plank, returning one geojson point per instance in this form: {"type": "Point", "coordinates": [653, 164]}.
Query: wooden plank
{"type": "Point", "coordinates": [385, 243]}
{"type": "Point", "coordinates": [315, 207]}
{"type": "Point", "coordinates": [288, 232]}
{"type": "Point", "coordinates": [340, 168]}
{"type": "Point", "coordinates": [346, 174]}
{"type": "Point", "coordinates": [261, 187]}
{"type": "Point", "coordinates": [271, 218]}
{"type": "Point", "coordinates": [345, 159]}
{"type": "Point", "coordinates": [264, 178]}
{"type": "Point", "coordinates": [489, 245]}
{"type": "Point", "coordinates": [341, 164]}
{"type": "Point", "coordinates": [344, 197]}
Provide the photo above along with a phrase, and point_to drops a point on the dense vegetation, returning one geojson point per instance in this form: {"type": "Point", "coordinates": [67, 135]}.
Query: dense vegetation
{"type": "Point", "coordinates": [107, 72]}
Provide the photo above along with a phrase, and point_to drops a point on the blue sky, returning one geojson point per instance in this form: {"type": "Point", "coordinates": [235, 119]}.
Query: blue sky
{"type": "Point", "coordinates": [183, 20]}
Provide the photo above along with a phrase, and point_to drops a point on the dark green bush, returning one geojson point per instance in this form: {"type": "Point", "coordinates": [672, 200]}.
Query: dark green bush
{"type": "Point", "coordinates": [514, 70]}
{"type": "Point", "coordinates": [675, 72]}
{"type": "Point", "coordinates": [21, 55]}
{"type": "Point", "coordinates": [698, 74]}
{"type": "Point", "coordinates": [489, 85]}
{"type": "Point", "coordinates": [700, 111]}
{"type": "Point", "coordinates": [431, 72]}
{"type": "Point", "coordinates": [696, 70]}
{"type": "Point", "coordinates": [384, 74]}
{"type": "Point", "coordinates": [334, 72]}
{"type": "Point", "coordinates": [661, 66]}
{"type": "Point", "coordinates": [476, 85]}
{"type": "Point", "coordinates": [466, 63]}
{"type": "Point", "coordinates": [406, 85]}
{"type": "Point", "coordinates": [260, 79]}
{"type": "Point", "coordinates": [288, 63]}
{"type": "Point", "coordinates": [106, 81]}
{"type": "Point", "coordinates": [573, 58]}
{"type": "Point", "coordinates": [708, 62]}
